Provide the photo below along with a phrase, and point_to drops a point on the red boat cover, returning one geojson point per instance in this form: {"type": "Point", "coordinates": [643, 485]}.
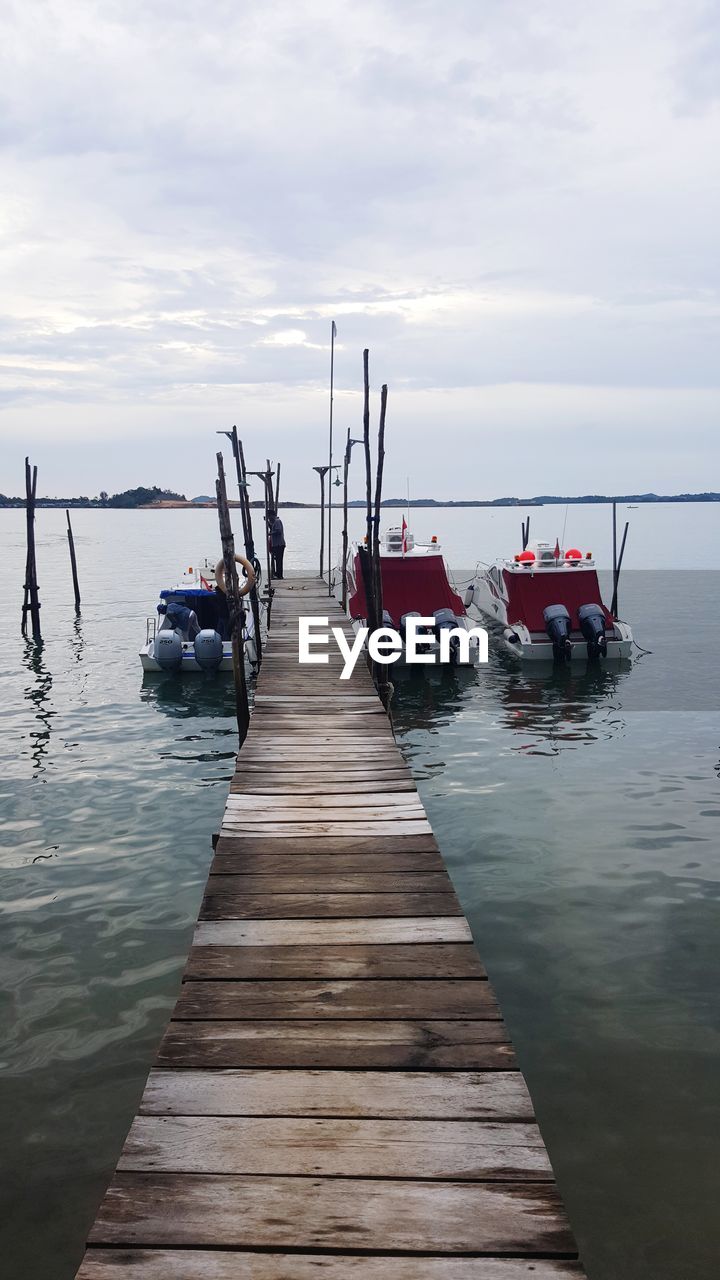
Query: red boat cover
{"type": "Point", "coordinates": [409, 583]}
{"type": "Point", "coordinates": [530, 593]}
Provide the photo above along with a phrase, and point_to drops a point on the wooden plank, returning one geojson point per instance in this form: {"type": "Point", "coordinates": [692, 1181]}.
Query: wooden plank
{"type": "Point", "coordinates": [321, 830]}
{"type": "Point", "coordinates": [436, 960]}
{"type": "Point", "coordinates": [331, 881]}
{"type": "Point", "coordinates": [196, 1264]}
{"type": "Point", "coordinates": [450, 1095]}
{"type": "Point", "coordinates": [329, 932]}
{"type": "Point", "coordinates": [320, 864]}
{"type": "Point", "coordinates": [312, 784]}
{"type": "Point", "coordinates": [331, 1213]}
{"type": "Point", "coordinates": [316, 906]}
{"type": "Point", "coordinates": [330, 1148]}
{"type": "Point", "coordinates": [247, 843]}
{"type": "Point", "coordinates": [347, 799]}
{"type": "Point", "coordinates": [376, 1045]}
{"type": "Point", "coordinates": [445, 998]}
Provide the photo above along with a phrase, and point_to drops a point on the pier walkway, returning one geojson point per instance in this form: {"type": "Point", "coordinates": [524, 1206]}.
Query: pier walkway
{"type": "Point", "coordinates": [336, 1095]}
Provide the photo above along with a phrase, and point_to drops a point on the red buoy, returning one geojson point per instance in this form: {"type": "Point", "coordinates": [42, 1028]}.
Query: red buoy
{"type": "Point", "coordinates": [574, 554]}
{"type": "Point", "coordinates": [526, 557]}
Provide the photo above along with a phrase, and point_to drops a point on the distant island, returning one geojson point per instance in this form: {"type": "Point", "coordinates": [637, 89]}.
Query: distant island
{"type": "Point", "coordinates": [156, 499]}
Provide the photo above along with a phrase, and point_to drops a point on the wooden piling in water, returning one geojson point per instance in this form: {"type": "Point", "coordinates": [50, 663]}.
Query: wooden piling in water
{"type": "Point", "coordinates": [235, 608]}
{"type": "Point", "coordinates": [31, 598]}
{"type": "Point", "coordinates": [336, 1092]}
{"type": "Point", "coordinates": [73, 562]}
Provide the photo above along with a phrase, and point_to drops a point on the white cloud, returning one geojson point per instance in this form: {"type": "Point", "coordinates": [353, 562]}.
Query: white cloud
{"type": "Point", "coordinates": [488, 196]}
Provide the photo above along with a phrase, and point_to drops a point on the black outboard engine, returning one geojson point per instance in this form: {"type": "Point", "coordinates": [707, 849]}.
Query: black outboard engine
{"type": "Point", "coordinates": [592, 625]}
{"type": "Point", "coordinates": [445, 620]}
{"type": "Point", "coordinates": [557, 625]}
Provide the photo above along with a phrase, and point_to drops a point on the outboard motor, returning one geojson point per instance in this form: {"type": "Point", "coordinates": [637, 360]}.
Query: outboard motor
{"type": "Point", "coordinates": [592, 625]}
{"type": "Point", "coordinates": [557, 625]}
{"type": "Point", "coordinates": [445, 620]}
{"type": "Point", "coordinates": [168, 650]}
{"type": "Point", "coordinates": [412, 613]}
{"type": "Point", "coordinates": [208, 650]}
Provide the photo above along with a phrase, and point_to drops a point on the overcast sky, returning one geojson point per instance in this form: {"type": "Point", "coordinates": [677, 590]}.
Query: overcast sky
{"type": "Point", "coordinates": [514, 205]}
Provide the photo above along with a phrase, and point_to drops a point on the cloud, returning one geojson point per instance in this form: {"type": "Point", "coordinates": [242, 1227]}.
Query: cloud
{"type": "Point", "coordinates": [487, 196]}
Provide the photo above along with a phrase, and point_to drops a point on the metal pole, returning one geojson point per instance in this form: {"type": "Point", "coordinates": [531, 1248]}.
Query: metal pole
{"type": "Point", "coordinates": [346, 468]}
{"type": "Point", "coordinates": [333, 331]}
{"type": "Point", "coordinates": [614, 524]}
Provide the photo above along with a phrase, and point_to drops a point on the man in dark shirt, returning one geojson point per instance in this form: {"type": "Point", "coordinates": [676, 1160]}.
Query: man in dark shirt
{"type": "Point", "coordinates": [276, 534]}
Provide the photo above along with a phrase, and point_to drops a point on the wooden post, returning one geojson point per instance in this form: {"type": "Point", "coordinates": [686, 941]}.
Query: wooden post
{"type": "Point", "coordinates": [31, 601]}
{"type": "Point", "coordinates": [247, 534]}
{"type": "Point", "coordinates": [235, 609]}
{"type": "Point", "coordinates": [73, 562]}
{"type": "Point", "coordinates": [377, 576]}
{"type": "Point", "coordinates": [618, 567]}
{"type": "Point", "coordinates": [322, 472]}
{"type": "Point", "coordinates": [267, 478]}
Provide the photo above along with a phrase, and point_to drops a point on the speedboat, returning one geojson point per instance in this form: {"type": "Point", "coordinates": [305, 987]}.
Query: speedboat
{"type": "Point", "coordinates": [415, 584]}
{"type": "Point", "coordinates": [190, 630]}
{"type": "Point", "coordinates": [549, 605]}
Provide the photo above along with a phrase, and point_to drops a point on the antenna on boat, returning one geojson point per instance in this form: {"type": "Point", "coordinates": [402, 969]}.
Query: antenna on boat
{"type": "Point", "coordinates": [562, 541]}
{"type": "Point", "coordinates": [525, 533]}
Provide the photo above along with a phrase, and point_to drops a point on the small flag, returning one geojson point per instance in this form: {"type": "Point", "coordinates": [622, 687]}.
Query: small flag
{"type": "Point", "coordinates": [404, 536]}
{"type": "Point", "coordinates": [556, 552]}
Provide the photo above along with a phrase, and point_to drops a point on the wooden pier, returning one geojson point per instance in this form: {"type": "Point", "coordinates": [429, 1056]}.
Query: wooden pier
{"type": "Point", "coordinates": [336, 1095]}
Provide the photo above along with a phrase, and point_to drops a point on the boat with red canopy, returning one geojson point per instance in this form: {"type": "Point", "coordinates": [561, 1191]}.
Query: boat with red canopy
{"type": "Point", "coordinates": [415, 583]}
{"type": "Point", "coordinates": [549, 604]}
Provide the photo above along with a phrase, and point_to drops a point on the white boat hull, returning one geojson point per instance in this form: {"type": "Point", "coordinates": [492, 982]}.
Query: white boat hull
{"type": "Point", "coordinates": [483, 600]}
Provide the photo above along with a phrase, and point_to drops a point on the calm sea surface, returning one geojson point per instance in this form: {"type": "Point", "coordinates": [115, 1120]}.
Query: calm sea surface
{"type": "Point", "coordinates": [578, 813]}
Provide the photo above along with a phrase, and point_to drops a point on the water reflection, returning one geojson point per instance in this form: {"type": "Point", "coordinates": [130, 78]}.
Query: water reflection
{"type": "Point", "coordinates": [182, 697]}
{"type": "Point", "coordinates": [77, 639]}
{"type": "Point", "coordinates": [428, 697]}
{"type": "Point", "coordinates": [562, 704]}
{"type": "Point", "coordinates": [38, 694]}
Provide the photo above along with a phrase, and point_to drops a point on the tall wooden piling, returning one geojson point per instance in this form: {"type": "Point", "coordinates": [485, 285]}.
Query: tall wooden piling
{"type": "Point", "coordinates": [31, 599]}
{"type": "Point", "coordinates": [246, 517]}
{"type": "Point", "coordinates": [235, 609]}
{"type": "Point", "coordinates": [73, 562]}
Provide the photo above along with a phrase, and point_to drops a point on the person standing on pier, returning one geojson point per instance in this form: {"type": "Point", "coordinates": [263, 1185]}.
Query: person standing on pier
{"type": "Point", "coordinates": [276, 534]}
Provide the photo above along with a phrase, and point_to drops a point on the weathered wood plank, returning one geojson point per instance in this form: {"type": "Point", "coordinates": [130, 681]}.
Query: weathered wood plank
{"type": "Point", "coordinates": [449, 1095]}
{"type": "Point", "coordinates": [288, 906]}
{"type": "Point", "coordinates": [329, 828]}
{"type": "Point", "coordinates": [245, 842]}
{"type": "Point", "coordinates": [392, 998]}
{"type": "Point", "coordinates": [195, 1264]}
{"type": "Point", "coordinates": [241, 862]}
{"type": "Point", "coordinates": [436, 960]}
{"type": "Point", "coordinates": [331, 1148]}
{"type": "Point", "coordinates": [328, 932]}
{"type": "Point", "coordinates": [377, 1045]}
{"type": "Point", "coordinates": [331, 881]}
{"type": "Point", "coordinates": [331, 1213]}
{"type": "Point", "coordinates": [347, 799]}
